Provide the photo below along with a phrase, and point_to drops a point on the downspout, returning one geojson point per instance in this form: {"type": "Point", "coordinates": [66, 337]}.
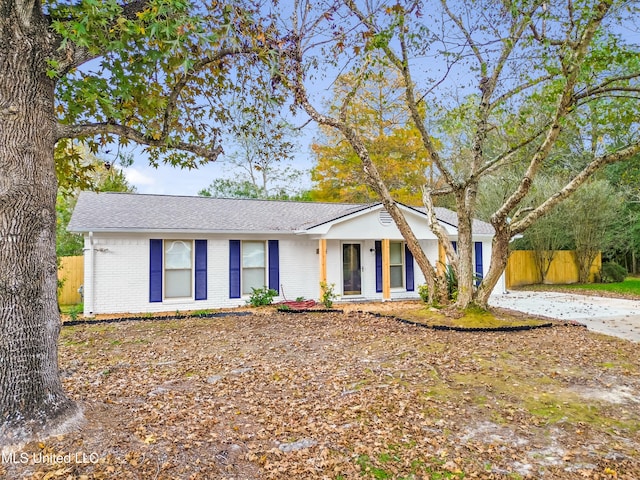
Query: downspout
{"type": "Point", "coordinates": [89, 299]}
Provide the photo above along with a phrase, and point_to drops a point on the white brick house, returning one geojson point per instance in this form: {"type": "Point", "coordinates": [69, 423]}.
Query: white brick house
{"type": "Point", "coordinates": [150, 253]}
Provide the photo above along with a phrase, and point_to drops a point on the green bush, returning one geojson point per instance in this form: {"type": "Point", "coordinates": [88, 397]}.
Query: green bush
{"type": "Point", "coordinates": [452, 282]}
{"type": "Point", "coordinates": [328, 294]}
{"type": "Point", "coordinates": [261, 296]}
{"type": "Point", "coordinates": [612, 272]}
{"type": "Point", "coordinates": [75, 311]}
{"type": "Point", "coordinates": [423, 291]}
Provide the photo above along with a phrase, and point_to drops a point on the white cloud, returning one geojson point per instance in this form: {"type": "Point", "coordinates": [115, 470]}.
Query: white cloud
{"type": "Point", "coordinates": [137, 177]}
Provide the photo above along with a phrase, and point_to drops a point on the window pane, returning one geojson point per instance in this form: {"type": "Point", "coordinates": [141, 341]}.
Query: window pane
{"type": "Point", "coordinates": [177, 254]}
{"type": "Point", "coordinates": [253, 254]}
{"type": "Point", "coordinates": [177, 283]}
{"type": "Point", "coordinates": [252, 278]}
{"type": "Point", "coordinates": [395, 252]}
{"type": "Point", "coordinates": [396, 276]}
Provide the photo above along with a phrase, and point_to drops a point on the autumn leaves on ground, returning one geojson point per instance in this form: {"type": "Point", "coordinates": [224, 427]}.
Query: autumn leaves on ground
{"type": "Point", "coordinates": [275, 395]}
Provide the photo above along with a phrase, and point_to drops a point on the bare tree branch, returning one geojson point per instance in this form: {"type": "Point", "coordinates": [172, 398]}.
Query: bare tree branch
{"type": "Point", "coordinates": [487, 88]}
{"type": "Point", "coordinates": [519, 89]}
{"type": "Point", "coordinates": [627, 152]}
{"type": "Point", "coordinates": [566, 101]}
{"type": "Point", "coordinates": [438, 230]}
{"type": "Point", "coordinates": [492, 165]}
{"type": "Point", "coordinates": [465, 32]}
{"type": "Point", "coordinates": [606, 87]}
{"type": "Point", "coordinates": [93, 129]}
{"type": "Point", "coordinates": [184, 79]}
{"type": "Point", "coordinates": [402, 66]}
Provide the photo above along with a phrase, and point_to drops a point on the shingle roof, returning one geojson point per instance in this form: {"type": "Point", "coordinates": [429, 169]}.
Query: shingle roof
{"type": "Point", "coordinates": [109, 211]}
{"type": "Point", "coordinates": [449, 216]}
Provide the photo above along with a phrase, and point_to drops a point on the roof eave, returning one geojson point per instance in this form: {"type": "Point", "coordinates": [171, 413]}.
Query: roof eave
{"type": "Point", "coordinates": [182, 231]}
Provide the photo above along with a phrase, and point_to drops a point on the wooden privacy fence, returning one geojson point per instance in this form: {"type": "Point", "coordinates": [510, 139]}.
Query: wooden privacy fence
{"type": "Point", "coordinates": [522, 270]}
{"type": "Point", "coordinates": [71, 273]}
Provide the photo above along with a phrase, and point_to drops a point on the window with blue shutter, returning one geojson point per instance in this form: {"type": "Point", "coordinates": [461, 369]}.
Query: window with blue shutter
{"type": "Point", "coordinates": [409, 278]}
{"type": "Point", "coordinates": [155, 270]}
{"type": "Point", "coordinates": [479, 269]}
{"type": "Point", "coordinates": [234, 269]}
{"type": "Point", "coordinates": [378, 247]}
{"type": "Point", "coordinates": [201, 270]}
{"type": "Point", "coordinates": [274, 265]}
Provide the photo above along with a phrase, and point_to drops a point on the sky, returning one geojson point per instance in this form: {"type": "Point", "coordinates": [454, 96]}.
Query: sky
{"type": "Point", "coordinates": [168, 180]}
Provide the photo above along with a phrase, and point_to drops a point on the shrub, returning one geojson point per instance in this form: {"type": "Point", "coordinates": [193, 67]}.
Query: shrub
{"type": "Point", "coordinates": [612, 272]}
{"type": "Point", "coordinates": [328, 295]}
{"type": "Point", "coordinates": [452, 282]}
{"type": "Point", "coordinates": [261, 296]}
{"type": "Point", "coordinates": [75, 311]}
{"type": "Point", "coordinates": [423, 291]}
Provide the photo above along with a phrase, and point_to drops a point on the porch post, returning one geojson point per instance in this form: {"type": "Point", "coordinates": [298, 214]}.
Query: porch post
{"type": "Point", "coordinates": [322, 251]}
{"type": "Point", "coordinates": [442, 259]}
{"type": "Point", "coordinates": [386, 270]}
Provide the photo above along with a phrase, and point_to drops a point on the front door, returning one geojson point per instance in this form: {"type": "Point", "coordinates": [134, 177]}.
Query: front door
{"type": "Point", "coordinates": [351, 273]}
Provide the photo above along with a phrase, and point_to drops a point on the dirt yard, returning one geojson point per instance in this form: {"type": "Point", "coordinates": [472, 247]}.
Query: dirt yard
{"type": "Point", "coordinates": [340, 396]}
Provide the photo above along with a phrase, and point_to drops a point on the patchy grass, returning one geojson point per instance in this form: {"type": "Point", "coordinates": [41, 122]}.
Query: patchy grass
{"type": "Point", "coordinates": [65, 309]}
{"type": "Point", "coordinates": [371, 397]}
{"type": "Point", "coordinates": [472, 318]}
{"type": "Point", "coordinates": [629, 288]}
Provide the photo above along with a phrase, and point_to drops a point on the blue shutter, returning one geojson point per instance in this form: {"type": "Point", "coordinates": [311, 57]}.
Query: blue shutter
{"type": "Point", "coordinates": [155, 270]}
{"type": "Point", "coordinates": [234, 269]}
{"type": "Point", "coordinates": [455, 246]}
{"type": "Point", "coordinates": [274, 266]}
{"type": "Point", "coordinates": [408, 265]}
{"type": "Point", "coordinates": [378, 246]}
{"type": "Point", "coordinates": [479, 269]}
{"type": "Point", "coordinates": [201, 270]}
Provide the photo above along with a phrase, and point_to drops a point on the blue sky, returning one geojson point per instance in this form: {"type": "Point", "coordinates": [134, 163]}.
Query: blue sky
{"type": "Point", "coordinates": [167, 180]}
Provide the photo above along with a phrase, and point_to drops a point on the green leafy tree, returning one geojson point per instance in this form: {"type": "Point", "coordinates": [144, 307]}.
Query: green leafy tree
{"type": "Point", "coordinates": [513, 85]}
{"type": "Point", "coordinates": [591, 222]}
{"type": "Point", "coordinates": [98, 178]}
{"type": "Point", "coordinates": [159, 73]}
{"type": "Point", "coordinates": [226, 188]}
{"type": "Point", "coordinates": [545, 236]}
{"type": "Point", "coordinates": [625, 177]}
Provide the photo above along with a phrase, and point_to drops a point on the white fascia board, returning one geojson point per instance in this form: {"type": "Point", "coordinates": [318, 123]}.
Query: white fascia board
{"type": "Point", "coordinates": [323, 228]}
{"type": "Point", "coordinates": [482, 237]}
{"type": "Point", "coordinates": [450, 229]}
{"type": "Point", "coordinates": [183, 231]}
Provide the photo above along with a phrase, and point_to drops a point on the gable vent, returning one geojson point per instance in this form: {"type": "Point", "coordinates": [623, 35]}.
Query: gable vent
{"type": "Point", "coordinates": [385, 218]}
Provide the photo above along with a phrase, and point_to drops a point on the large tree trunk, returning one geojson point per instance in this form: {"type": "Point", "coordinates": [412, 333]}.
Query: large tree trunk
{"type": "Point", "coordinates": [465, 258]}
{"type": "Point", "coordinates": [499, 258]}
{"type": "Point", "coordinates": [584, 259]}
{"type": "Point", "coordinates": [32, 402]}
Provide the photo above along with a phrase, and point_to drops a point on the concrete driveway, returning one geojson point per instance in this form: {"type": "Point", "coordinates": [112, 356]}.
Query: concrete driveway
{"type": "Point", "coordinates": [611, 316]}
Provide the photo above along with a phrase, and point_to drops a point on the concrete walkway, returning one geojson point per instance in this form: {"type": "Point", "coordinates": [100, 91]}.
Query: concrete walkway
{"type": "Point", "coordinates": [611, 316]}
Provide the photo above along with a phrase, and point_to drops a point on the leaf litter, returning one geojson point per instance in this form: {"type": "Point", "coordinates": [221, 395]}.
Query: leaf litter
{"type": "Point", "coordinates": [338, 396]}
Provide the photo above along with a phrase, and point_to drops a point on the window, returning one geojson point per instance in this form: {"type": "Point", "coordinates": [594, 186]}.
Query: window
{"type": "Point", "coordinates": [253, 266]}
{"type": "Point", "coordinates": [396, 263]}
{"type": "Point", "coordinates": [178, 265]}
